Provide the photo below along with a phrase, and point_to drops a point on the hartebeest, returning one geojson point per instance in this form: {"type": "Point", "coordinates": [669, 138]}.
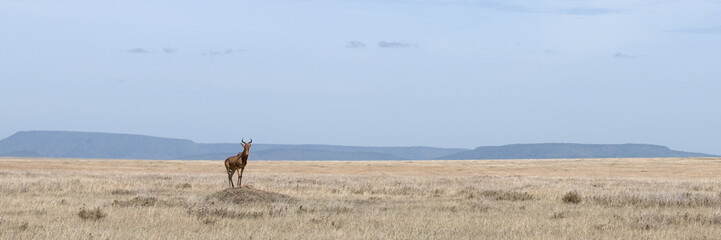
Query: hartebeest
{"type": "Point", "coordinates": [236, 162]}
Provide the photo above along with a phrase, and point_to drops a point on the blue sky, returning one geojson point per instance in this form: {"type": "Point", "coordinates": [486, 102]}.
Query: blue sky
{"type": "Point", "coordinates": [379, 73]}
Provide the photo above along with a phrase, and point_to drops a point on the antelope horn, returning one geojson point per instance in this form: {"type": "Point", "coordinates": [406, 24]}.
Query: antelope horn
{"type": "Point", "coordinates": [251, 141]}
{"type": "Point", "coordinates": [243, 141]}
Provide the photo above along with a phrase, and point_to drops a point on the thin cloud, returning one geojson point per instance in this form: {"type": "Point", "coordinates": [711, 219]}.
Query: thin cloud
{"type": "Point", "coordinates": [136, 50]}
{"type": "Point", "coordinates": [550, 51]}
{"type": "Point", "coordinates": [587, 11]}
{"type": "Point", "coordinates": [706, 30]}
{"type": "Point", "coordinates": [625, 56]}
{"type": "Point", "coordinates": [355, 44]}
{"type": "Point", "coordinates": [498, 5]}
{"type": "Point", "coordinates": [225, 52]}
{"type": "Point", "coordinates": [515, 6]}
{"type": "Point", "coordinates": [169, 50]}
{"type": "Point", "coordinates": [502, 6]}
{"type": "Point", "coordinates": [384, 44]}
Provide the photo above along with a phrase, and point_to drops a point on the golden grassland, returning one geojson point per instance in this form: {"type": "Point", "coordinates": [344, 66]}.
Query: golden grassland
{"type": "Point", "coordinates": [665, 198]}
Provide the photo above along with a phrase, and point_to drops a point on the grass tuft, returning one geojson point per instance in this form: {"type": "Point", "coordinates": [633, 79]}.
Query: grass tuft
{"type": "Point", "coordinates": [249, 195]}
{"type": "Point", "coordinates": [137, 202]}
{"type": "Point", "coordinates": [502, 195]}
{"type": "Point", "coordinates": [121, 192]}
{"type": "Point", "coordinates": [559, 215]}
{"type": "Point", "coordinates": [571, 197]}
{"type": "Point", "coordinates": [23, 226]}
{"type": "Point", "coordinates": [92, 214]}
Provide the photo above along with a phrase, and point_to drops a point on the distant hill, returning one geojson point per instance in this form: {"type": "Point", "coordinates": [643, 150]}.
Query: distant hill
{"type": "Point", "coordinates": [568, 150]}
{"type": "Point", "coordinates": [60, 144]}
{"type": "Point", "coordinates": [93, 145]}
{"type": "Point", "coordinates": [64, 144]}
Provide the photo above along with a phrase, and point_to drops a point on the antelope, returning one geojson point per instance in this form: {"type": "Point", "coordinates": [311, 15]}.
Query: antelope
{"type": "Point", "coordinates": [236, 162]}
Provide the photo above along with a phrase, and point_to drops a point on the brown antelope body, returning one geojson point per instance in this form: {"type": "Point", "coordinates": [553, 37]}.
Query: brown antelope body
{"type": "Point", "coordinates": [238, 162]}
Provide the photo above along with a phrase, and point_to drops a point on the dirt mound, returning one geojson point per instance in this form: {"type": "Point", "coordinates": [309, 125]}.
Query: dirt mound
{"type": "Point", "coordinates": [248, 195]}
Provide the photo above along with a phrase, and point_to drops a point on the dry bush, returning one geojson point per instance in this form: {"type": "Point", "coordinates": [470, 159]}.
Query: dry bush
{"type": "Point", "coordinates": [507, 195]}
{"type": "Point", "coordinates": [121, 191]}
{"type": "Point", "coordinates": [571, 197]}
{"type": "Point", "coordinates": [330, 208]}
{"type": "Point", "coordinates": [336, 224]}
{"type": "Point", "coordinates": [23, 226]}
{"type": "Point", "coordinates": [479, 207]}
{"type": "Point", "coordinates": [93, 214]}
{"type": "Point", "coordinates": [183, 185]}
{"type": "Point", "coordinates": [136, 202]}
{"type": "Point", "coordinates": [559, 215]}
{"type": "Point", "coordinates": [497, 194]}
{"type": "Point", "coordinates": [249, 195]}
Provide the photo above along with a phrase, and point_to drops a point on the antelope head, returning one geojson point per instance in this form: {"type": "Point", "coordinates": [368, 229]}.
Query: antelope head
{"type": "Point", "coordinates": [246, 145]}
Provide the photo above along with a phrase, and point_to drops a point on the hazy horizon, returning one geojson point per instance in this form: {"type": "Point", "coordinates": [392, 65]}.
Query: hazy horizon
{"type": "Point", "coordinates": [440, 73]}
{"type": "Point", "coordinates": [330, 144]}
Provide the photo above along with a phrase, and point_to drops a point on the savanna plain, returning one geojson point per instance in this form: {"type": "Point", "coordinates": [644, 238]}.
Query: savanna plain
{"type": "Point", "coordinates": [654, 198]}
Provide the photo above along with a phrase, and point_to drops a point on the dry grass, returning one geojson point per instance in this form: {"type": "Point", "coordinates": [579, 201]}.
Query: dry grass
{"type": "Point", "coordinates": [515, 199]}
{"type": "Point", "coordinates": [572, 197]}
{"type": "Point", "coordinates": [94, 214]}
{"type": "Point", "coordinates": [675, 168]}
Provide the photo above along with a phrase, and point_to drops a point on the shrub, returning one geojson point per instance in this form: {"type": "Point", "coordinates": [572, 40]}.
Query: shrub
{"type": "Point", "coordinates": [571, 197]}
{"type": "Point", "coordinates": [94, 214]}
{"type": "Point", "coordinates": [559, 215]}
{"type": "Point", "coordinates": [507, 195]}
{"type": "Point", "coordinates": [121, 192]}
{"type": "Point", "coordinates": [23, 226]}
{"type": "Point", "coordinates": [137, 202]}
